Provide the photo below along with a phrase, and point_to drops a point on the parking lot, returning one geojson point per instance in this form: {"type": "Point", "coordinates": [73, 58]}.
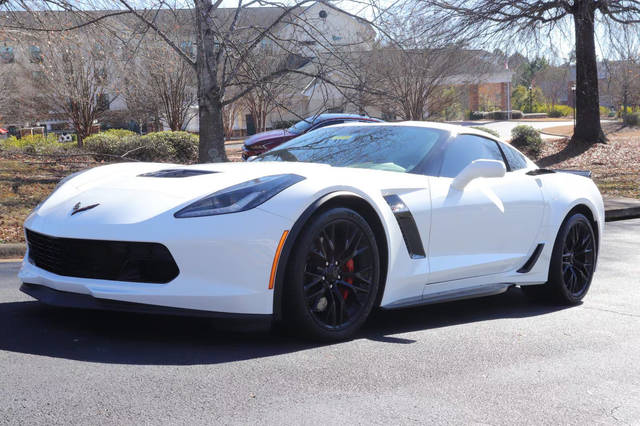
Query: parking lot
{"type": "Point", "coordinates": [496, 360]}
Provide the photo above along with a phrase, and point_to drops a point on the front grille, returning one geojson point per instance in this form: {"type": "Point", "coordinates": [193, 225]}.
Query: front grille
{"type": "Point", "coordinates": [104, 260]}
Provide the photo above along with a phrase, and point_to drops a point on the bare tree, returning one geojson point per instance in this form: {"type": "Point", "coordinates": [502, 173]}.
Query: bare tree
{"type": "Point", "coordinates": [553, 81]}
{"type": "Point", "coordinates": [623, 67]}
{"type": "Point", "coordinates": [225, 39]}
{"type": "Point", "coordinates": [535, 17]}
{"type": "Point", "coordinates": [172, 82]}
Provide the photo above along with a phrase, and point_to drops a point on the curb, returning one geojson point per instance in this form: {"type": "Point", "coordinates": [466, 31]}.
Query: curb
{"type": "Point", "coordinates": [13, 250]}
{"type": "Point", "coordinates": [622, 214]}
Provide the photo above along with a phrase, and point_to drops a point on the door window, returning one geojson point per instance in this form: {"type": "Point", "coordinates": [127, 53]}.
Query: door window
{"type": "Point", "coordinates": [463, 150]}
{"type": "Point", "coordinates": [515, 159]}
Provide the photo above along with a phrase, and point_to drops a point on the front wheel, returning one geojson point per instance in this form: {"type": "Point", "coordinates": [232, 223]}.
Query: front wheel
{"type": "Point", "coordinates": [573, 262]}
{"type": "Point", "coordinates": [332, 278]}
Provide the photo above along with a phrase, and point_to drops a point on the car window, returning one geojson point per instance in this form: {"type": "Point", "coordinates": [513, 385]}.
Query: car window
{"type": "Point", "coordinates": [514, 158]}
{"type": "Point", "coordinates": [380, 147]}
{"type": "Point", "coordinates": [327, 123]}
{"type": "Point", "coordinates": [463, 150]}
{"type": "Point", "coordinates": [302, 126]}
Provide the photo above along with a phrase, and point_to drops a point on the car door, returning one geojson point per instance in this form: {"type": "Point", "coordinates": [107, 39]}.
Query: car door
{"type": "Point", "coordinates": [490, 227]}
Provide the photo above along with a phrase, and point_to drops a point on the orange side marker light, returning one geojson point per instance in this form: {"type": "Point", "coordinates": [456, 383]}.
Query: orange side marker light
{"type": "Point", "coordinates": [276, 259]}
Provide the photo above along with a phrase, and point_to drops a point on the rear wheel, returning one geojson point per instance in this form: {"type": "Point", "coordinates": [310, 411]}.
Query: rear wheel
{"type": "Point", "coordinates": [332, 279]}
{"type": "Point", "coordinates": [572, 265]}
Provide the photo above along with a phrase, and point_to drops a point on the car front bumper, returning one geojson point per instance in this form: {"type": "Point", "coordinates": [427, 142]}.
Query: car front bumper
{"type": "Point", "coordinates": [224, 262]}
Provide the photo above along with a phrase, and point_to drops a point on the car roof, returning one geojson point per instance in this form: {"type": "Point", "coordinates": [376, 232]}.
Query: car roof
{"type": "Point", "coordinates": [450, 128]}
{"type": "Point", "coordinates": [329, 116]}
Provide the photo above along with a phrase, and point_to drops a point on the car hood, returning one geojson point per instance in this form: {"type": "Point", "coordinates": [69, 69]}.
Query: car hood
{"type": "Point", "coordinates": [130, 193]}
{"type": "Point", "coordinates": [271, 135]}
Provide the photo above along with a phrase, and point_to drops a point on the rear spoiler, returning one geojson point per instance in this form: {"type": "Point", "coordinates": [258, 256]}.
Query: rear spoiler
{"type": "Point", "coordinates": [536, 172]}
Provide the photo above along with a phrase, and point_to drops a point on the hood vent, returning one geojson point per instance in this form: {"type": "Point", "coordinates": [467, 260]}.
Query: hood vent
{"type": "Point", "coordinates": [176, 173]}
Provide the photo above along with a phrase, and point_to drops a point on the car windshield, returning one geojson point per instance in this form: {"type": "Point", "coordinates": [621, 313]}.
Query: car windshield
{"type": "Point", "coordinates": [392, 148]}
{"type": "Point", "coordinates": [302, 126]}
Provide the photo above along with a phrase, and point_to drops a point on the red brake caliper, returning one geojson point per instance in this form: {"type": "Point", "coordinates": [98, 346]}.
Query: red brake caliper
{"type": "Point", "coordinates": [349, 267]}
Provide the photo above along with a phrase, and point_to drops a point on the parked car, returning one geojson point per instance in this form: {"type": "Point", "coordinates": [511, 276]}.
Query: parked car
{"type": "Point", "coordinates": [262, 142]}
{"type": "Point", "coordinates": [318, 232]}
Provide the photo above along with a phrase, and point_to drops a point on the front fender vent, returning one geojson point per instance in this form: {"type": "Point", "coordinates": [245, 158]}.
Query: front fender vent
{"type": "Point", "coordinates": [532, 260]}
{"type": "Point", "coordinates": [407, 225]}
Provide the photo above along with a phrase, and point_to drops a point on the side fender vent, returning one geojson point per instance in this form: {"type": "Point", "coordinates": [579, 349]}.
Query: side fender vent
{"type": "Point", "coordinates": [532, 260]}
{"type": "Point", "coordinates": [407, 225]}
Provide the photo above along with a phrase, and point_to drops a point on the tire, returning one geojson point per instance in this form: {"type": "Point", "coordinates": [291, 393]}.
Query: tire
{"type": "Point", "coordinates": [332, 277]}
{"type": "Point", "coordinates": [572, 263]}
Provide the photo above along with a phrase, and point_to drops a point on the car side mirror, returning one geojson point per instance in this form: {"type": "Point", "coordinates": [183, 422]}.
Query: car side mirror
{"type": "Point", "coordinates": [478, 169]}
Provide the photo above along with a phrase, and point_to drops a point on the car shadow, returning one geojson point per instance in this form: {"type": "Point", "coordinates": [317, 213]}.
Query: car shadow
{"type": "Point", "coordinates": [123, 338]}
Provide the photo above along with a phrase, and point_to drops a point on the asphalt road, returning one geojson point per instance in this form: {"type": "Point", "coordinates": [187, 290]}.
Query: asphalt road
{"type": "Point", "coordinates": [497, 360]}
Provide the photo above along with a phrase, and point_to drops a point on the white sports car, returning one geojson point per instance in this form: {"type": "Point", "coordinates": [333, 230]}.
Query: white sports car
{"type": "Point", "coordinates": [318, 232]}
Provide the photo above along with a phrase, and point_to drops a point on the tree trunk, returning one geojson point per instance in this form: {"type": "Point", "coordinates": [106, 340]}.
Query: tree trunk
{"type": "Point", "coordinates": [211, 146]}
{"type": "Point", "coordinates": [587, 100]}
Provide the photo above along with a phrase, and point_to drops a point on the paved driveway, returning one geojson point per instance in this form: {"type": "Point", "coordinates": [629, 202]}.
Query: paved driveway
{"type": "Point", "coordinates": [504, 127]}
{"type": "Point", "coordinates": [496, 360]}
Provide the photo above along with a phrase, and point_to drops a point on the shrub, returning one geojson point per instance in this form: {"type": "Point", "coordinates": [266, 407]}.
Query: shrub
{"type": "Point", "coordinates": [119, 133]}
{"type": "Point", "coordinates": [604, 111]}
{"type": "Point", "coordinates": [181, 147]}
{"type": "Point", "coordinates": [555, 113]}
{"type": "Point", "coordinates": [36, 144]}
{"type": "Point", "coordinates": [478, 115]}
{"type": "Point", "coordinates": [487, 130]}
{"type": "Point", "coordinates": [178, 147]}
{"type": "Point", "coordinates": [527, 139]}
{"type": "Point", "coordinates": [632, 119]}
{"type": "Point", "coordinates": [107, 145]}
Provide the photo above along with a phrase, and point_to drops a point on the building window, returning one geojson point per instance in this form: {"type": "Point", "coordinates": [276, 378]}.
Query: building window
{"type": "Point", "coordinates": [35, 54]}
{"type": "Point", "coordinates": [6, 54]}
{"type": "Point", "coordinates": [323, 14]}
{"type": "Point", "coordinates": [308, 42]}
{"type": "Point", "coordinates": [336, 38]}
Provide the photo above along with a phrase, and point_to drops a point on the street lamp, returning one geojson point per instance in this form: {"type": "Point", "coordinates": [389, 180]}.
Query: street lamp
{"type": "Point", "coordinates": [530, 98]}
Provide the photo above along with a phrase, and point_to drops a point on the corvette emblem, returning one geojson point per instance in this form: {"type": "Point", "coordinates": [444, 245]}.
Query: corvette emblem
{"type": "Point", "coordinates": [77, 208]}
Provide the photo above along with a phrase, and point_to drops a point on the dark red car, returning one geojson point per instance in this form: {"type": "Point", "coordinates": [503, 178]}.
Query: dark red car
{"type": "Point", "coordinates": [262, 142]}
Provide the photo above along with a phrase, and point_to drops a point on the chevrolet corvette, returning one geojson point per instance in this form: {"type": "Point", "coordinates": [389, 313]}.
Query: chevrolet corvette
{"type": "Point", "coordinates": [318, 232]}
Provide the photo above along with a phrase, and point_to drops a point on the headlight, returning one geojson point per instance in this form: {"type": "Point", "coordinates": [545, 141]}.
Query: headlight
{"type": "Point", "coordinates": [241, 197]}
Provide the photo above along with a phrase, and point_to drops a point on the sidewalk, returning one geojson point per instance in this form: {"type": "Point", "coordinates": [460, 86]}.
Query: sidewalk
{"type": "Point", "coordinates": [615, 209]}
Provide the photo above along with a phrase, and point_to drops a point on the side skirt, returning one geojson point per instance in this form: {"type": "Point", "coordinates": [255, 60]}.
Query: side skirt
{"type": "Point", "coordinates": [449, 296]}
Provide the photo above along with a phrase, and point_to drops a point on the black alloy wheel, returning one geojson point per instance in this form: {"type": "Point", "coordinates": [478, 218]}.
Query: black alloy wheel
{"type": "Point", "coordinates": [332, 282]}
{"type": "Point", "coordinates": [573, 262]}
{"type": "Point", "coordinates": [578, 258]}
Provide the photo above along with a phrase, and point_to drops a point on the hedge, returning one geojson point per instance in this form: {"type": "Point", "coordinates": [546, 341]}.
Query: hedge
{"type": "Point", "coordinates": [175, 147]}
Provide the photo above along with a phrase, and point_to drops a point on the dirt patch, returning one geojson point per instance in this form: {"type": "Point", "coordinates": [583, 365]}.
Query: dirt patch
{"type": "Point", "coordinates": [615, 165]}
